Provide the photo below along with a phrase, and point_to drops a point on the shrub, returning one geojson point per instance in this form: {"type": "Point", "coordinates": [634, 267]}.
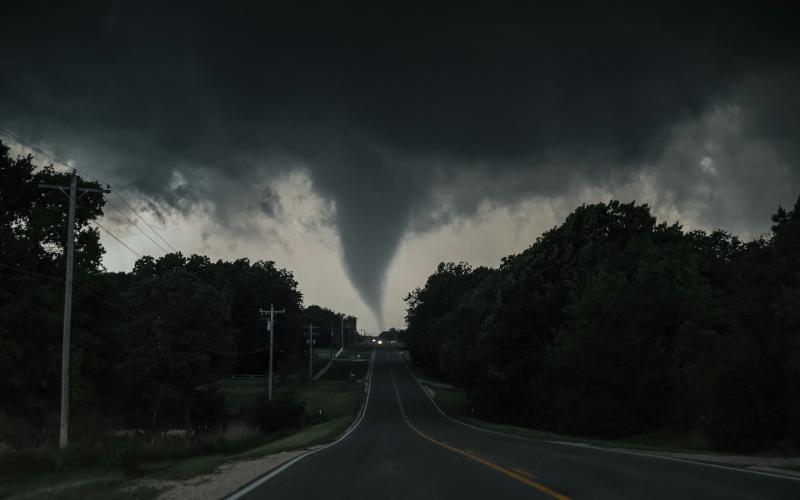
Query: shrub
{"type": "Point", "coordinates": [283, 412]}
{"type": "Point", "coordinates": [29, 461]}
{"type": "Point", "coordinates": [207, 411]}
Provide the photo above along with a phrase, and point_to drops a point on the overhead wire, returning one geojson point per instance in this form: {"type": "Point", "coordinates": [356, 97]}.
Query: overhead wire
{"type": "Point", "coordinates": [36, 149]}
{"type": "Point", "coordinates": [138, 254]}
{"type": "Point", "coordinates": [32, 273]}
{"type": "Point", "coordinates": [65, 163]}
{"type": "Point", "coordinates": [145, 222]}
{"type": "Point", "coordinates": [135, 225]}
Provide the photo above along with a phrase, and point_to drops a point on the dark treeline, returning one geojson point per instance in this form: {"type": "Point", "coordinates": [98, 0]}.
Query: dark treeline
{"type": "Point", "coordinates": [328, 327]}
{"type": "Point", "coordinates": [612, 325]}
{"type": "Point", "coordinates": [146, 345]}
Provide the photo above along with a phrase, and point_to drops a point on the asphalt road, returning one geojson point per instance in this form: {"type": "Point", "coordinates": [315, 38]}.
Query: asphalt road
{"type": "Point", "coordinates": [404, 448]}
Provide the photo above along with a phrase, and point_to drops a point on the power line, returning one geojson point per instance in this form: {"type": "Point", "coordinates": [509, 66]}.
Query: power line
{"type": "Point", "coordinates": [50, 156]}
{"type": "Point", "coordinates": [116, 238]}
{"type": "Point", "coordinates": [32, 273]}
{"type": "Point", "coordinates": [142, 219]}
{"type": "Point", "coordinates": [136, 226]}
{"type": "Point", "coordinates": [35, 148]}
{"type": "Point", "coordinates": [65, 163]}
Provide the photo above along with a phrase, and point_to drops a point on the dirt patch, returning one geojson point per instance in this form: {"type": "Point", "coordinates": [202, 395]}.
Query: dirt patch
{"type": "Point", "coordinates": [224, 481]}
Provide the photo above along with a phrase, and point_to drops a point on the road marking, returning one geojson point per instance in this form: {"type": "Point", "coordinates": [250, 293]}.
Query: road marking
{"type": "Point", "coordinates": [274, 472]}
{"type": "Point", "coordinates": [524, 473]}
{"type": "Point", "coordinates": [597, 448]}
{"type": "Point", "coordinates": [523, 478]}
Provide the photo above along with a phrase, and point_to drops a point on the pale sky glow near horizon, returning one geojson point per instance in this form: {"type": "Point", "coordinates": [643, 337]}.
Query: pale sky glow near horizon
{"type": "Point", "coordinates": [300, 234]}
{"type": "Point", "coordinates": [358, 148]}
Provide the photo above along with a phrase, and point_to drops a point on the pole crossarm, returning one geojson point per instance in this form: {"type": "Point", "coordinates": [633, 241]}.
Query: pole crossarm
{"type": "Point", "coordinates": [82, 190]}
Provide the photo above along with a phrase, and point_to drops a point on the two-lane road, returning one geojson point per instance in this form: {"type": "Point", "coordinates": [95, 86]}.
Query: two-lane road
{"type": "Point", "coordinates": [404, 448]}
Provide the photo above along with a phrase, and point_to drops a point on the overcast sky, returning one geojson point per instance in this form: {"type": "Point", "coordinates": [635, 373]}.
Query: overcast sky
{"type": "Point", "coordinates": [358, 146]}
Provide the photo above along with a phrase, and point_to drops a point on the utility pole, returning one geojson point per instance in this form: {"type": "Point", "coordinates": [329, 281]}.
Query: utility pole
{"type": "Point", "coordinates": [333, 349]}
{"type": "Point", "coordinates": [271, 327]}
{"type": "Point", "coordinates": [342, 331]}
{"type": "Point", "coordinates": [70, 257]}
{"type": "Point", "coordinates": [311, 350]}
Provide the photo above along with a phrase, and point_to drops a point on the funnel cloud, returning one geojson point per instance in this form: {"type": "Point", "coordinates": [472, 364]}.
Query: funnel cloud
{"type": "Point", "coordinates": [406, 118]}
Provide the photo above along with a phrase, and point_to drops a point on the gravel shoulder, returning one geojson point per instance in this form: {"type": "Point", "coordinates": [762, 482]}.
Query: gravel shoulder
{"type": "Point", "coordinates": [227, 479]}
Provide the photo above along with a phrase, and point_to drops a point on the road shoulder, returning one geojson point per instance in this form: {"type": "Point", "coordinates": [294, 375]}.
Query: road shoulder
{"type": "Point", "coordinates": [788, 467]}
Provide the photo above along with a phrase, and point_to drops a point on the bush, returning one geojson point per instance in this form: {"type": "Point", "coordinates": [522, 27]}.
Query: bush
{"type": "Point", "coordinates": [207, 411]}
{"type": "Point", "coordinates": [283, 412]}
{"type": "Point", "coordinates": [31, 461]}
{"type": "Point", "coordinates": [745, 412]}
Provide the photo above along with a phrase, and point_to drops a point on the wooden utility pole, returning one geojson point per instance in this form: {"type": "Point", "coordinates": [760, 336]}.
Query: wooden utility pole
{"type": "Point", "coordinates": [63, 434]}
{"type": "Point", "coordinates": [311, 350]}
{"type": "Point", "coordinates": [271, 327]}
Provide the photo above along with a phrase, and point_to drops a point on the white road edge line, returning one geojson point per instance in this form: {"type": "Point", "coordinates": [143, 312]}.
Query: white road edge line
{"type": "Point", "coordinates": [274, 472]}
{"type": "Point", "coordinates": [599, 448]}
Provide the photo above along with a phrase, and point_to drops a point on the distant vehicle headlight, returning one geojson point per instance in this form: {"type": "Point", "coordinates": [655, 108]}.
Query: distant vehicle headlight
{"type": "Point", "coordinates": [380, 341]}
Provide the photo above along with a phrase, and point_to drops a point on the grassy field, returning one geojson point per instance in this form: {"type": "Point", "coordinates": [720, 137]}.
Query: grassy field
{"type": "Point", "coordinates": [333, 398]}
{"type": "Point", "coordinates": [330, 405]}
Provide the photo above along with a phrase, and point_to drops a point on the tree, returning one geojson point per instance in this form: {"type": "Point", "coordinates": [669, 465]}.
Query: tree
{"type": "Point", "coordinates": [32, 239]}
{"type": "Point", "coordinates": [612, 324]}
{"type": "Point", "coordinates": [181, 323]}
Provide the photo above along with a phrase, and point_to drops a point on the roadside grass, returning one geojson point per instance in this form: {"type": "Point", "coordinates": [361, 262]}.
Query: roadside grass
{"type": "Point", "coordinates": [340, 371]}
{"type": "Point", "coordinates": [666, 439]}
{"type": "Point", "coordinates": [352, 364]}
{"type": "Point", "coordinates": [324, 352]}
{"type": "Point", "coordinates": [239, 393]}
{"type": "Point", "coordinates": [314, 435]}
{"type": "Point", "coordinates": [331, 398]}
{"type": "Point", "coordinates": [334, 394]}
{"type": "Point", "coordinates": [671, 441]}
{"type": "Point", "coordinates": [331, 406]}
{"type": "Point", "coordinates": [454, 403]}
{"type": "Point", "coordinates": [362, 350]}
{"type": "Point", "coordinates": [418, 371]}
{"type": "Point", "coordinates": [17, 482]}
{"type": "Point", "coordinates": [184, 469]}
{"type": "Point", "coordinates": [101, 490]}
{"type": "Point", "coordinates": [91, 483]}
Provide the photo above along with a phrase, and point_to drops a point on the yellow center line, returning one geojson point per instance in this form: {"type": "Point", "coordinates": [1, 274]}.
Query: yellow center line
{"type": "Point", "coordinates": [523, 472]}
{"type": "Point", "coordinates": [517, 474]}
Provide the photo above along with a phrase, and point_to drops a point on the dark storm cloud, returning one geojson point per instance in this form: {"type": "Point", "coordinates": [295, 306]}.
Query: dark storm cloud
{"type": "Point", "coordinates": [389, 107]}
